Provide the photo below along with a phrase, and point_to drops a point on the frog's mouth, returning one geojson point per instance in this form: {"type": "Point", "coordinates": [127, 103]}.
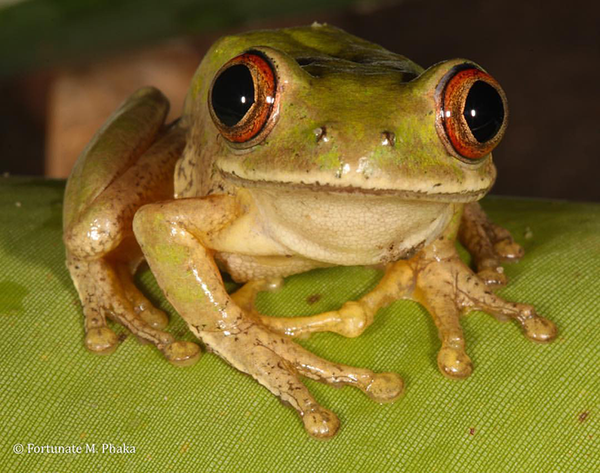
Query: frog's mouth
{"type": "Point", "coordinates": [465, 196]}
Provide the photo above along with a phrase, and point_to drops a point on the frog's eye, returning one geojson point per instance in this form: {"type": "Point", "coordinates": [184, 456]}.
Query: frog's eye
{"type": "Point", "coordinates": [474, 112]}
{"type": "Point", "coordinates": [242, 97]}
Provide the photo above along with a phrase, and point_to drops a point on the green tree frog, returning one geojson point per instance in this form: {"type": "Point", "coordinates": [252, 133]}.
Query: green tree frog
{"type": "Point", "coordinates": [298, 148]}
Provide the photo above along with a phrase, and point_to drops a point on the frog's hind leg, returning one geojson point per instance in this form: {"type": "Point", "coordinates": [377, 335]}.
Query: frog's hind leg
{"type": "Point", "coordinates": [130, 162]}
{"type": "Point", "coordinates": [488, 243]}
{"type": "Point", "coordinates": [382, 387]}
{"type": "Point", "coordinates": [353, 317]}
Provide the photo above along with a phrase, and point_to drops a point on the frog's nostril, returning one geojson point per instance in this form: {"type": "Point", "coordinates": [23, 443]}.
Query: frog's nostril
{"type": "Point", "coordinates": [388, 138]}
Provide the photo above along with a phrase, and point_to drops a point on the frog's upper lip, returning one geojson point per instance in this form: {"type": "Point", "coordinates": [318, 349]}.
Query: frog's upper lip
{"type": "Point", "coordinates": [460, 197]}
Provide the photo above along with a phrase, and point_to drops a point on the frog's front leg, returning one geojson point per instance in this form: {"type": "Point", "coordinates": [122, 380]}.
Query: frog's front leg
{"type": "Point", "coordinates": [447, 288]}
{"type": "Point", "coordinates": [175, 238]}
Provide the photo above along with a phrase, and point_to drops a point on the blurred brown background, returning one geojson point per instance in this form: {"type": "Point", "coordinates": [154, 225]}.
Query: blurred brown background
{"type": "Point", "coordinates": [55, 92]}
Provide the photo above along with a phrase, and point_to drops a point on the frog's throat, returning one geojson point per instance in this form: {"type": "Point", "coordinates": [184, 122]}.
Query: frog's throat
{"type": "Point", "coordinates": [458, 197]}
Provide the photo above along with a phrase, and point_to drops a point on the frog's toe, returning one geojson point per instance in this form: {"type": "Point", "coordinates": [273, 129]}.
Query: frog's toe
{"type": "Point", "coordinates": [321, 423]}
{"type": "Point", "coordinates": [539, 329]}
{"type": "Point", "coordinates": [454, 363]}
{"type": "Point", "coordinates": [508, 249]}
{"type": "Point", "coordinates": [154, 317]}
{"type": "Point", "coordinates": [182, 353]}
{"type": "Point", "coordinates": [107, 290]}
{"type": "Point", "coordinates": [349, 321]}
{"type": "Point", "coordinates": [353, 319]}
{"type": "Point", "coordinates": [493, 277]}
{"type": "Point", "coordinates": [101, 340]}
{"type": "Point", "coordinates": [385, 387]}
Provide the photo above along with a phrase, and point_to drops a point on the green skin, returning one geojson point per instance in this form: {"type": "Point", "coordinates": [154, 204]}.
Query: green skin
{"type": "Point", "coordinates": [350, 169]}
{"type": "Point", "coordinates": [356, 100]}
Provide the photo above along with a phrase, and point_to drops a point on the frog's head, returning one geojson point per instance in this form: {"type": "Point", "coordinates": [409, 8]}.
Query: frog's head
{"type": "Point", "coordinates": [315, 107]}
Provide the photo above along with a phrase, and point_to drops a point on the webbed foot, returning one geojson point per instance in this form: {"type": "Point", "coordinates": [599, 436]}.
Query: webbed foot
{"type": "Point", "coordinates": [448, 288]}
{"type": "Point", "coordinates": [277, 363]}
{"type": "Point", "coordinates": [107, 290]}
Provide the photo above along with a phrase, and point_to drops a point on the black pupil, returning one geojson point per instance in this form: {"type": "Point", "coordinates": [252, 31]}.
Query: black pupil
{"type": "Point", "coordinates": [484, 111]}
{"type": "Point", "coordinates": [233, 94]}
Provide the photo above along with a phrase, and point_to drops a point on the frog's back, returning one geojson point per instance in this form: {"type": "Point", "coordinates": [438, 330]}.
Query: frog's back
{"type": "Point", "coordinates": [322, 48]}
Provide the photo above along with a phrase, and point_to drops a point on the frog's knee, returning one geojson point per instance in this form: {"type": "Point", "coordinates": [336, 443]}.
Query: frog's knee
{"type": "Point", "coordinates": [143, 219]}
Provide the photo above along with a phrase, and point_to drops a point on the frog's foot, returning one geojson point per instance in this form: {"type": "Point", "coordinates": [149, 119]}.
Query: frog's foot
{"type": "Point", "coordinates": [154, 317]}
{"type": "Point", "coordinates": [488, 243]}
{"type": "Point", "coordinates": [354, 316]}
{"type": "Point", "coordinates": [106, 290]}
{"type": "Point", "coordinates": [448, 288]}
{"type": "Point", "coordinates": [277, 362]}
{"type": "Point", "coordinates": [474, 296]}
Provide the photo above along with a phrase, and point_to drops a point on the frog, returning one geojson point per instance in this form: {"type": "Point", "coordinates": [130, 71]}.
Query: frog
{"type": "Point", "coordinates": [298, 148]}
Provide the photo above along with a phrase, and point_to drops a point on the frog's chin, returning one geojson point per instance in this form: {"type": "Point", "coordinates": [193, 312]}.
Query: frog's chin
{"type": "Point", "coordinates": [351, 228]}
{"type": "Point", "coordinates": [463, 196]}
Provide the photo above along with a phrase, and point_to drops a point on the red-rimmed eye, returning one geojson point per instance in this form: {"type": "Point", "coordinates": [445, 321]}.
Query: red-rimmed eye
{"type": "Point", "coordinates": [474, 112]}
{"type": "Point", "coordinates": [242, 97]}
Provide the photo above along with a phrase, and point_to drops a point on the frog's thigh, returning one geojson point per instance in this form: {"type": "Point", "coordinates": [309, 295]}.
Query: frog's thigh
{"type": "Point", "coordinates": [354, 316]}
{"type": "Point", "coordinates": [488, 243]}
{"type": "Point", "coordinates": [173, 236]}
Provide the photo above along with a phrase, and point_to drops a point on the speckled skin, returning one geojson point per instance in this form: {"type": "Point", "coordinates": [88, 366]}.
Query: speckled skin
{"type": "Point", "coordinates": [350, 169]}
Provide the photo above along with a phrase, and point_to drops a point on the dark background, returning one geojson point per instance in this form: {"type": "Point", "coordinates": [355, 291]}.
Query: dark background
{"type": "Point", "coordinates": [546, 55]}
